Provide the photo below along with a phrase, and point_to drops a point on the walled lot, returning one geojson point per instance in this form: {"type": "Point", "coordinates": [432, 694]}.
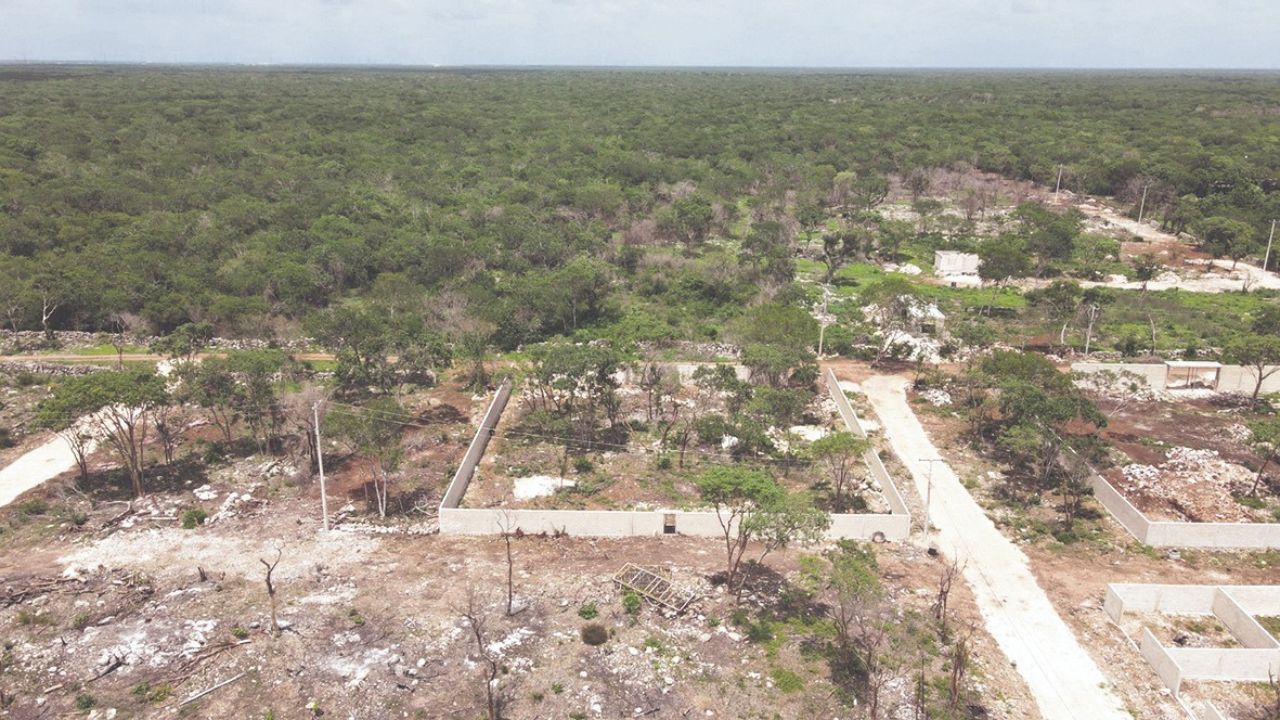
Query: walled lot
{"type": "Point", "coordinates": [1075, 576]}
{"type": "Point", "coordinates": [629, 468]}
{"type": "Point", "coordinates": [1187, 461]}
{"type": "Point", "coordinates": [373, 625]}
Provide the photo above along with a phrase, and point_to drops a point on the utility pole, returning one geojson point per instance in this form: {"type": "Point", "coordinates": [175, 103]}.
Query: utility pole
{"type": "Point", "coordinates": [324, 496]}
{"type": "Point", "coordinates": [1272, 236]}
{"type": "Point", "coordinates": [928, 499]}
{"type": "Point", "coordinates": [1058, 185]}
{"type": "Point", "coordinates": [1142, 207]}
{"type": "Point", "coordinates": [822, 326]}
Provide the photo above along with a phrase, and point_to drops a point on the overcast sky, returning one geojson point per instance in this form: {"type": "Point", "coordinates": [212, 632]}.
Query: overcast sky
{"type": "Point", "coordinates": [828, 33]}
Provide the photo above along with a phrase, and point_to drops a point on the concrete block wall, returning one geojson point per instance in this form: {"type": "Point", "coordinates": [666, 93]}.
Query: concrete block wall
{"type": "Point", "coordinates": [455, 520]}
{"type": "Point", "coordinates": [1259, 656]}
{"type": "Point", "coordinates": [1208, 536]}
{"type": "Point", "coordinates": [1125, 513]}
{"type": "Point", "coordinates": [1214, 536]}
{"type": "Point", "coordinates": [1158, 655]}
{"type": "Point", "coordinates": [1224, 664]}
{"type": "Point", "coordinates": [878, 471]}
{"type": "Point", "coordinates": [640, 523]}
{"type": "Point", "coordinates": [1248, 631]}
{"type": "Point", "coordinates": [1232, 378]}
{"type": "Point", "coordinates": [1209, 711]}
{"type": "Point", "coordinates": [475, 451]}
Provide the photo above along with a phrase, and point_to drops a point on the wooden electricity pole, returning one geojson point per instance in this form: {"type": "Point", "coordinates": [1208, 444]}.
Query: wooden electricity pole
{"type": "Point", "coordinates": [1143, 206]}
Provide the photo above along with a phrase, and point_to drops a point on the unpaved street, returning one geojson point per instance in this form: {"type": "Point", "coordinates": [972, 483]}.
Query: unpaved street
{"type": "Point", "coordinates": [43, 463]}
{"type": "Point", "coordinates": [1065, 681]}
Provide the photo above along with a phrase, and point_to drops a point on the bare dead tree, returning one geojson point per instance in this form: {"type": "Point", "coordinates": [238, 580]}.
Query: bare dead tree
{"type": "Point", "coordinates": [168, 422]}
{"type": "Point", "coordinates": [299, 419]}
{"type": "Point", "coordinates": [506, 525]}
{"type": "Point", "coordinates": [48, 306]}
{"type": "Point", "coordinates": [920, 698]}
{"type": "Point", "coordinates": [473, 612]}
{"type": "Point", "coordinates": [959, 670]}
{"type": "Point", "coordinates": [945, 580]}
{"type": "Point", "coordinates": [271, 590]}
{"type": "Point", "coordinates": [1091, 313]}
{"type": "Point", "coordinates": [80, 442]}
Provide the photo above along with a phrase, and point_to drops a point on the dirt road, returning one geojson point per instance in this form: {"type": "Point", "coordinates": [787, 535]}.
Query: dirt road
{"type": "Point", "coordinates": [37, 466]}
{"type": "Point", "coordinates": [1065, 681]}
{"type": "Point", "coordinates": [129, 357]}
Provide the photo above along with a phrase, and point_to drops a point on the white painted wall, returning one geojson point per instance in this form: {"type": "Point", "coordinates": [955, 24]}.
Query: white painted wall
{"type": "Point", "coordinates": [1233, 378]}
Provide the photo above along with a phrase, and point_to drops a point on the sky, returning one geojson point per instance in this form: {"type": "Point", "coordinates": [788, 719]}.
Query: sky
{"type": "Point", "coordinates": [767, 33]}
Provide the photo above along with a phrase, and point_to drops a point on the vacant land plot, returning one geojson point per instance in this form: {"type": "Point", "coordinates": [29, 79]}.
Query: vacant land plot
{"type": "Point", "coordinates": [649, 457]}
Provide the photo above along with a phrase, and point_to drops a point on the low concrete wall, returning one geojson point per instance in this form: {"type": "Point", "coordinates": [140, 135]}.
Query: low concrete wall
{"type": "Point", "coordinates": [1256, 599]}
{"type": "Point", "coordinates": [1251, 663]}
{"type": "Point", "coordinates": [1225, 664]}
{"type": "Point", "coordinates": [878, 471]}
{"type": "Point", "coordinates": [640, 523]}
{"type": "Point", "coordinates": [1125, 513]}
{"type": "Point", "coordinates": [475, 451]}
{"type": "Point", "coordinates": [1208, 536]}
{"type": "Point", "coordinates": [1165, 599]}
{"type": "Point", "coordinates": [1164, 665]}
{"type": "Point", "coordinates": [1209, 711]}
{"type": "Point", "coordinates": [1188, 599]}
{"type": "Point", "coordinates": [1248, 631]}
{"type": "Point", "coordinates": [1232, 378]}
{"type": "Point", "coordinates": [455, 520]}
{"type": "Point", "coordinates": [1214, 536]}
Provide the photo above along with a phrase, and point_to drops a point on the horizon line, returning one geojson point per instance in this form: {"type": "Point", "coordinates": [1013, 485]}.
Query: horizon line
{"type": "Point", "coordinates": [7, 62]}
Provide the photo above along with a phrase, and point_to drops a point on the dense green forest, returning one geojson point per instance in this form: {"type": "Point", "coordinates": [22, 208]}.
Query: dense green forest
{"type": "Point", "coordinates": [519, 205]}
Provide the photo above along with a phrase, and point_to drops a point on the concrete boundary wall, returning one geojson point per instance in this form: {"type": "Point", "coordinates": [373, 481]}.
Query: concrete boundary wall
{"type": "Point", "coordinates": [1188, 599]}
{"type": "Point", "coordinates": [1209, 711]}
{"type": "Point", "coordinates": [1225, 665]}
{"type": "Point", "coordinates": [1125, 513]}
{"type": "Point", "coordinates": [475, 451]}
{"type": "Point", "coordinates": [1160, 533]}
{"type": "Point", "coordinates": [638, 523]}
{"type": "Point", "coordinates": [1164, 665]}
{"type": "Point", "coordinates": [1258, 659]}
{"type": "Point", "coordinates": [878, 471]}
{"type": "Point", "coordinates": [455, 520]}
{"type": "Point", "coordinates": [1232, 378]}
{"type": "Point", "coordinates": [1242, 625]}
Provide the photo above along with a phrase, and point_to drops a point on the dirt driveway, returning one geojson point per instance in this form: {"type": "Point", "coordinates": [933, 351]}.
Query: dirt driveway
{"type": "Point", "coordinates": [1066, 682]}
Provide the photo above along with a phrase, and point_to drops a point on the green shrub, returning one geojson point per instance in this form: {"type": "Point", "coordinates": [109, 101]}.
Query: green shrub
{"type": "Point", "coordinates": [595, 634]}
{"type": "Point", "coordinates": [1251, 501]}
{"type": "Point", "coordinates": [85, 701]}
{"type": "Point", "coordinates": [557, 688]}
{"type": "Point", "coordinates": [239, 633]}
{"type": "Point", "coordinates": [583, 464]}
{"type": "Point", "coordinates": [193, 518]}
{"type": "Point", "coordinates": [786, 681]}
{"type": "Point", "coordinates": [663, 462]}
{"type": "Point", "coordinates": [146, 692]}
{"type": "Point", "coordinates": [588, 611]}
{"type": "Point", "coordinates": [631, 602]}
{"type": "Point", "coordinates": [33, 507]}
{"type": "Point", "coordinates": [80, 620]}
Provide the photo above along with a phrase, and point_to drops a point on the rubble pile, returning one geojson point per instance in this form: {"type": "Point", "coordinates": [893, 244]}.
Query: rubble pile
{"type": "Point", "coordinates": [1191, 484]}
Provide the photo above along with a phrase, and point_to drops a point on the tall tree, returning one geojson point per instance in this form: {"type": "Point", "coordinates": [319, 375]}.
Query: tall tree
{"type": "Point", "coordinates": [116, 407]}
{"type": "Point", "coordinates": [1259, 353]}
